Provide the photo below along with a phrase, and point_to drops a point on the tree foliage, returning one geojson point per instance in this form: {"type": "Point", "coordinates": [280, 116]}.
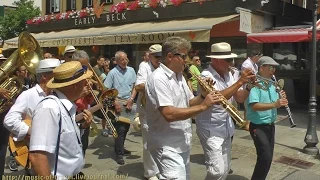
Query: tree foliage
{"type": "Point", "coordinates": [14, 22]}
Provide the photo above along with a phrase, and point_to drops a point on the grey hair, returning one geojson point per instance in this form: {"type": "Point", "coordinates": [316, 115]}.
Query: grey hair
{"type": "Point", "coordinates": [79, 54]}
{"type": "Point", "coordinates": [174, 44]}
{"type": "Point", "coordinates": [118, 53]}
{"type": "Point", "coordinates": [39, 75]}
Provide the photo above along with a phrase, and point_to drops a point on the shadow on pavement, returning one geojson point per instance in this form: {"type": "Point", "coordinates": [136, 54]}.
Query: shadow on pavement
{"type": "Point", "coordinates": [104, 147]}
{"type": "Point", "coordinates": [290, 147]}
{"type": "Point", "coordinates": [133, 170]}
{"type": "Point", "coordinates": [236, 177]}
{"type": "Point", "coordinates": [197, 158]}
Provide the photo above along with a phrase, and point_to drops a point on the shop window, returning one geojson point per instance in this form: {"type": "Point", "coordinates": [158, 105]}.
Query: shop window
{"type": "Point", "coordinates": [106, 1]}
{"type": "Point", "coordinates": [52, 6]}
{"type": "Point", "coordinates": [291, 56]}
{"type": "Point", "coordinates": [71, 5]}
{"type": "Point", "coordinates": [87, 3]}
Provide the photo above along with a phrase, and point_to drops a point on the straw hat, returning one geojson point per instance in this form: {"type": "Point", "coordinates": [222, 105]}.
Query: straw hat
{"type": "Point", "coordinates": [67, 74]}
{"type": "Point", "coordinates": [221, 51]}
{"type": "Point", "coordinates": [47, 65]}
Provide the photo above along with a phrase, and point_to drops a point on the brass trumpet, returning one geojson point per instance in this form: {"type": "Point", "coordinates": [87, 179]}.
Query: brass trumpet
{"type": "Point", "coordinates": [233, 112]}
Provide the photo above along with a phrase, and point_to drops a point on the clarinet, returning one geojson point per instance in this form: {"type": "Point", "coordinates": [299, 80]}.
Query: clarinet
{"type": "Point", "coordinates": [278, 89]}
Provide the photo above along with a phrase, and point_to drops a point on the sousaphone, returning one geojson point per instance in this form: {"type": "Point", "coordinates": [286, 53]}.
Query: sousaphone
{"type": "Point", "coordinates": [28, 54]}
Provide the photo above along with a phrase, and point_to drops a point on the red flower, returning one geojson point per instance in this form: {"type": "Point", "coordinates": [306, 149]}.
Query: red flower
{"type": "Point", "coordinates": [83, 13]}
{"type": "Point", "coordinates": [154, 3]}
{"type": "Point", "coordinates": [134, 5]}
{"type": "Point", "coordinates": [58, 16]}
{"type": "Point", "coordinates": [29, 21]}
{"type": "Point", "coordinates": [176, 2]}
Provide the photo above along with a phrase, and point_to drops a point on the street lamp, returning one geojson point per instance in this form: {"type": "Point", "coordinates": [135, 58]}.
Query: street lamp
{"type": "Point", "coordinates": [311, 138]}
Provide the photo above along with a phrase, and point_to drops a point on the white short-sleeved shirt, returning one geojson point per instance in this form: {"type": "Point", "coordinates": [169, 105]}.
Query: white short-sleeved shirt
{"type": "Point", "coordinates": [24, 105]}
{"type": "Point", "coordinates": [249, 64]}
{"type": "Point", "coordinates": [216, 120]}
{"type": "Point", "coordinates": [44, 135]}
{"type": "Point", "coordinates": [145, 70]}
{"type": "Point", "coordinates": [166, 88]}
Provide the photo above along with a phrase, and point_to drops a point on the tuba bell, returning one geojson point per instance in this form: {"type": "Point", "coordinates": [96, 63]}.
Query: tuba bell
{"type": "Point", "coordinates": [28, 54]}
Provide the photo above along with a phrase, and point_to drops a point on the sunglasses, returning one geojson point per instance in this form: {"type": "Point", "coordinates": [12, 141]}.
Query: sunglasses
{"type": "Point", "coordinates": [183, 56]}
{"type": "Point", "coordinates": [271, 67]}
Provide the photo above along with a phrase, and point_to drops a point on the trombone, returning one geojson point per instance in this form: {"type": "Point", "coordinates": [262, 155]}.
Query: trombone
{"type": "Point", "coordinates": [104, 94]}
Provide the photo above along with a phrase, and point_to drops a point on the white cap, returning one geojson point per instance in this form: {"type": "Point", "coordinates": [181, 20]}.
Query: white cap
{"type": "Point", "coordinates": [47, 65]}
{"type": "Point", "coordinates": [69, 48]}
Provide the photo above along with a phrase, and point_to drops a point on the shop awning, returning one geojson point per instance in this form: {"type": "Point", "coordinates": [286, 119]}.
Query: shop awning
{"type": "Point", "coordinates": [279, 36]}
{"type": "Point", "coordinates": [283, 35]}
{"type": "Point", "coordinates": [194, 30]}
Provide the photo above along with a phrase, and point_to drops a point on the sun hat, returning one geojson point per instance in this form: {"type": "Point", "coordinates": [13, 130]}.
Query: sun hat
{"type": "Point", "coordinates": [2, 57]}
{"type": "Point", "coordinates": [67, 74]}
{"type": "Point", "coordinates": [155, 50]}
{"type": "Point", "coordinates": [221, 51]}
{"type": "Point", "coordinates": [266, 60]}
{"type": "Point", "coordinates": [68, 49]}
{"type": "Point", "coordinates": [47, 65]}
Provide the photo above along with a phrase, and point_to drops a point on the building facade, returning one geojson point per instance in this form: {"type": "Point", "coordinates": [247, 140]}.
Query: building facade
{"type": "Point", "coordinates": [102, 27]}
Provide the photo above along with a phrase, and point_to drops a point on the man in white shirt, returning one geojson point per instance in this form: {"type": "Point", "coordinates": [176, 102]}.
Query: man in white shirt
{"type": "Point", "coordinates": [251, 63]}
{"type": "Point", "coordinates": [169, 106]}
{"type": "Point", "coordinates": [214, 126]}
{"type": "Point", "coordinates": [55, 142]}
{"type": "Point", "coordinates": [26, 102]}
{"type": "Point", "coordinates": [145, 70]}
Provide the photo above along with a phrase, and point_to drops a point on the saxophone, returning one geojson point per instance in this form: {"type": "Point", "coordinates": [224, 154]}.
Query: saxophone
{"type": "Point", "coordinates": [232, 111]}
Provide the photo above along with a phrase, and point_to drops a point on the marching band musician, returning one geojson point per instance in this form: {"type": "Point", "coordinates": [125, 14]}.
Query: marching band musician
{"type": "Point", "coordinates": [145, 70]}
{"type": "Point", "coordinates": [169, 106]}
{"type": "Point", "coordinates": [214, 126]}
{"type": "Point", "coordinates": [122, 78]}
{"type": "Point", "coordinates": [27, 101]}
{"type": "Point", "coordinates": [55, 142]}
{"type": "Point", "coordinates": [85, 98]}
{"type": "Point", "coordinates": [250, 63]}
{"type": "Point", "coordinates": [262, 112]}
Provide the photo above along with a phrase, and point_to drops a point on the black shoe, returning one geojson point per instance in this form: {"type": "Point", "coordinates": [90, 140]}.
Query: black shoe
{"type": "Point", "coordinates": [230, 171]}
{"type": "Point", "coordinates": [120, 160]}
{"type": "Point", "coordinates": [126, 152]}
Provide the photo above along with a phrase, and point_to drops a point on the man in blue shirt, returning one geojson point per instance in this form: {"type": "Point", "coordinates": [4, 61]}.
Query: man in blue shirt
{"type": "Point", "coordinates": [262, 112]}
{"type": "Point", "coordinates": [122, 78]}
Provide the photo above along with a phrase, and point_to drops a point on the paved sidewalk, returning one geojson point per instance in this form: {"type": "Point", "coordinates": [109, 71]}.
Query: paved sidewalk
{"type": "Point", "coordinates": [289, 143]}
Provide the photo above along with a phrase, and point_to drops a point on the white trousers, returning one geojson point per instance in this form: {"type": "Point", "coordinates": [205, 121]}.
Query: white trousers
{"type": "Point", "coordinates": [217, 152]}
{"type": "Point", "coordinates": [172, 165]}
{"type": "Point", "coordinates": [150, 166]}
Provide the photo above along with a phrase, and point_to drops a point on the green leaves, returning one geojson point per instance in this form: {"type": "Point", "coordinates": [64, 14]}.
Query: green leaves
{"type": "Point", "coordinates": [14, 21]}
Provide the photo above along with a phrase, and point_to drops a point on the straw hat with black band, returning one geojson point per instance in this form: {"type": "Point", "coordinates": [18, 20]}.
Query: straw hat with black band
{"type": "Point", "coordinates": [67, 74]}
{"type": "Point", "coordinates": [221, 51]}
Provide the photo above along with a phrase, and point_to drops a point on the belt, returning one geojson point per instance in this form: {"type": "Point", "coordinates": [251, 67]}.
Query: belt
{"type": "Point", "coordinates": [265, 124]}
